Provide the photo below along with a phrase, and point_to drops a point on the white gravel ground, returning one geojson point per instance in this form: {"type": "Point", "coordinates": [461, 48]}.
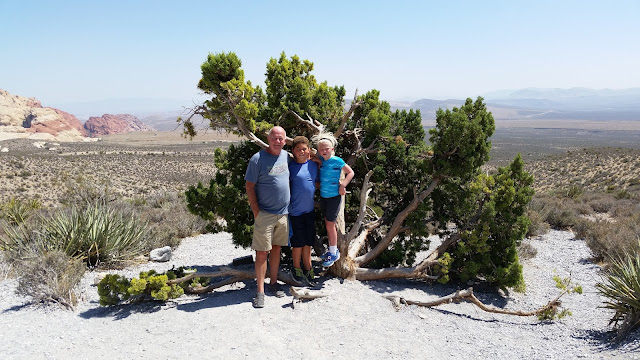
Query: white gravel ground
{"type": "Point", "coordinates": [354, 322]}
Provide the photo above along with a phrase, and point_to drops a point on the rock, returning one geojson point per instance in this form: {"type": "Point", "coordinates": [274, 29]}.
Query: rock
{"type": "Point", "coordinates": [114, 124]}
{"type": "Point", "coordinates": [4, 149]}
{"type": "Point", "coordinates": [162, 254]}
{"type": "Point", "coordinates": [22, 117]}
{"type": "Point", "coordinates": [98, 278]}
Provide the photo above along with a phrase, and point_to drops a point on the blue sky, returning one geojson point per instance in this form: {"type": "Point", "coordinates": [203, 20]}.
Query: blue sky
{"type": "Point", "coordinates": [64, 52]}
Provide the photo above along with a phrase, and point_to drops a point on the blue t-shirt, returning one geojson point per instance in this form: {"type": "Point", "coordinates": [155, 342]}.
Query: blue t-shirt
{"type": "Point", "coordinates": [330, 172]}
{"type": "Point", "coordinates": [303, 186]}
{"type": "Point", "coordinates": [270, 173]}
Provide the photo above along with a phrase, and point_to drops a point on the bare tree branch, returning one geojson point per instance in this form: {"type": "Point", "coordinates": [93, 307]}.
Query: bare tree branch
{"type": "Point", "coordinates": [314, 125]}
{"type": "Point", "coordinates": [397, 225]}
{"type": "Point", "coordinates": [469, 296]}
{"type": "Point", "coordinates": [354, 105]}
{"type": "Point", "coordinates": [391, 273]}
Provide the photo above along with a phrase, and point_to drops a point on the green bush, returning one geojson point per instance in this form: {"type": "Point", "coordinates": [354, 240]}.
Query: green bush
{"type": "Point", "coordinates": [621, 287]}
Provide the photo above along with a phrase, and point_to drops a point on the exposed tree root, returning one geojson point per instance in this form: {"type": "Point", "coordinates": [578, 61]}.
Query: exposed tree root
{"type": "Point", "coordinates": [469, 296]}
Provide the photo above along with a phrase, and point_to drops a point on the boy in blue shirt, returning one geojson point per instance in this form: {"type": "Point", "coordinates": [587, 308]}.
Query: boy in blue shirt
{"type": "Point", "coordinates": [303, 176]}
{"type": "Point", "coordinates": [331, 191]}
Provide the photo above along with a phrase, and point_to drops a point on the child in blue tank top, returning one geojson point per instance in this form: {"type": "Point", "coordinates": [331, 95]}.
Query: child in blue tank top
{"type": "Point", "coordinates": [331, 191]}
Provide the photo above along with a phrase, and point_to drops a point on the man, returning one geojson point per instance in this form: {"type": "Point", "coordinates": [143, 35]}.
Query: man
{"type": "Point", "coordinates": [267, 186]}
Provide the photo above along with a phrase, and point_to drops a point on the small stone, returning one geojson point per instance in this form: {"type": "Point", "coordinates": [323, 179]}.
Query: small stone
{"type": "Point", "coordinates": [162, 254]}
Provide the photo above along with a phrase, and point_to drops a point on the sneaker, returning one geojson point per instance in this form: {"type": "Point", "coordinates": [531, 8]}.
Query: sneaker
{"type": "Point", "coordinates": [325, 256]}
{"type": "Point", "coordinates": [298, 275]}
{"type": "Point", "coordinates": [309, 278]}
{"type": "Point", "coordinates": [275, 290]}
{"type": "Point", "coordinates": [331, 259]}
{"type": "Point", "coordinates": [258, 301]}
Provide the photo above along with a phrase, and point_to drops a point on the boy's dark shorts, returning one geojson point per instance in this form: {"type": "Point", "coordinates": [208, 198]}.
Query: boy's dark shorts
{"type": "Point", "coordinates": [330, 207]}
{"type": "Point", "coordinates": [304, 229]}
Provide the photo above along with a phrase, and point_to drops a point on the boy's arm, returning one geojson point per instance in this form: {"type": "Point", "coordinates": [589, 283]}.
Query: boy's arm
{"type": "Point", "coordinates": [348, 175]}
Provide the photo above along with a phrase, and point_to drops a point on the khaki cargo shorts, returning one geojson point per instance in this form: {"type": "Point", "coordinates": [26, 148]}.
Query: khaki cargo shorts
{"type": "Point", "coordinates": [269, 230]}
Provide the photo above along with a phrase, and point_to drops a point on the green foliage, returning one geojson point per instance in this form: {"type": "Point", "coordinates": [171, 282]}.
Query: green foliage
{"type": "Point", "coordinates": [489, 210]}
{"type": "Point", "coordinates": [555, 311]}
{"type": "Point", "coordinates": [621, 286]}
{"type": "Point", "coordinates": [491, 213]}
{"type": "Point", "coordinates": [114, 289]}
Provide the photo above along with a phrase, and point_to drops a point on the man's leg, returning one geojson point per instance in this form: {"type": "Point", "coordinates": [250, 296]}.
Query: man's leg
{"type": "Point", "coordinates": [274, 263]}
{"type": "Point", "coordinates": [261, 269]}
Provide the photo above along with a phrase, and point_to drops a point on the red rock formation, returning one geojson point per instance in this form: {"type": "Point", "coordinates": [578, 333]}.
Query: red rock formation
{"type": "Point", "coordinates": [53, 127]}
{"type": "Point", "coordinates": [114, 124]}
{"type": "Point", "coordinates": [22, 117]}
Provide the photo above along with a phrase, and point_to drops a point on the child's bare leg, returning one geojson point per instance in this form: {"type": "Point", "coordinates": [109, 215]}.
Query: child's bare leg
{"type": "Point", "coordinates": [296, 253]}
{"type": "Point", "coordinates": [332, 232]}
{"type": "Point", "coordinates": [306, 257]}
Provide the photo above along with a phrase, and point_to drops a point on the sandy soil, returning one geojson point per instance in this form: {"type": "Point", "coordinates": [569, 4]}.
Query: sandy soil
{"type": "Point", "coordinates": [354, 322]}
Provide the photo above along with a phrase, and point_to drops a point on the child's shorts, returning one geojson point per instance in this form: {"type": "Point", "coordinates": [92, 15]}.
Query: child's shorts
{"type": "Point", "coordinates": [304, 229]}
{"type": "Point", "coordinates": [330, 207]}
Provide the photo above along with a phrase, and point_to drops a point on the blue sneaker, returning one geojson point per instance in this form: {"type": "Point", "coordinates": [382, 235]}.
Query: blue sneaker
{"type": "Point", "coordinates": [324, 256]}
{"type": "Point", "coordinates": [331, 259]}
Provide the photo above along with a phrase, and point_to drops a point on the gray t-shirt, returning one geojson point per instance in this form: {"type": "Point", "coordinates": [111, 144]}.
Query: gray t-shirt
{"type": "Point", "coordinates": [270, 173]}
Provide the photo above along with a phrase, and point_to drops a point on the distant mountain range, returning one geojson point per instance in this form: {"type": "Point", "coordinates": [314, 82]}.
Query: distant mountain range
{"type": "Point", "coordinates": [518, 104]}
{"type": "Point", "coordinates": [549, 104]}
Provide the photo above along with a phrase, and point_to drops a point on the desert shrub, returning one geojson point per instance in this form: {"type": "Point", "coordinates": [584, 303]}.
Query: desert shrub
{"type": "Point", "coordinates": [574, 192]}
{"type": "Point", "coordinates": [82, 192]}
{"type": "Point", "coordinates": [50, 277]}
{"type": "Point", "coordinates": [167, 216]}
{"type": "Point", "coordinates": [95, 234]}
{"type": "Point", "coordinates": [5, 267]}
{"type": "Point", "coordinates": [526, 251]}
{"type": "Point", "coordinates": [621, 286]}
{"type": "Point", "coordinates": [625, 208]}
{"type": "Point", "coordinates": [599, 202]}
{"type": "Point", "coordinates": [610, 240]}
{"type": "Point", "coordinates": [558, 212]}
{"type": "Point", "coordinates": [623, 194]}
{"type": "Point", "coordinates": [538, 225]}
{"type": "Point", "coordinates": [17, 211]}
{"type": "Point", "coordinates": [562, 216]}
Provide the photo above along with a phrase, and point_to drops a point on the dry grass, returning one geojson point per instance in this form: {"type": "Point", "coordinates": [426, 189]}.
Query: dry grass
{"type": "Point", "coordinates": [130, 166]}
{"type": "Point", "coordinates": [608, 170]}
{"type": "Point", "coordinates": [594, 192]}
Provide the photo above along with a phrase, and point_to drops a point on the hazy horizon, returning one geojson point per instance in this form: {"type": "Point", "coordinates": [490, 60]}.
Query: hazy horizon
{"type": "Point", "coordinates": [75, 51]}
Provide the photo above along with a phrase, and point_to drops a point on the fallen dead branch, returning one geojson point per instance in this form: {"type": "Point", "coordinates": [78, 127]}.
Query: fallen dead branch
{"type": "Point", "coordinates": [300, 294]}
{"type": "Point", "coordinates": [467, 295]}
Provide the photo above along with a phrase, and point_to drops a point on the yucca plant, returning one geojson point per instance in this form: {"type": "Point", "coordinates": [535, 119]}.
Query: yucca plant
{"type": "Point", "coordinates": [95, 234]}
{"type": "Point", "coordinates": [621, 287]}
{"type": "Point", "coordinates": [17, 211]}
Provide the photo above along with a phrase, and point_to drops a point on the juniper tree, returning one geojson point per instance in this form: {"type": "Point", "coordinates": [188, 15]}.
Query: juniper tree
{"type": "Point", "coordinates": [407, 186]}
